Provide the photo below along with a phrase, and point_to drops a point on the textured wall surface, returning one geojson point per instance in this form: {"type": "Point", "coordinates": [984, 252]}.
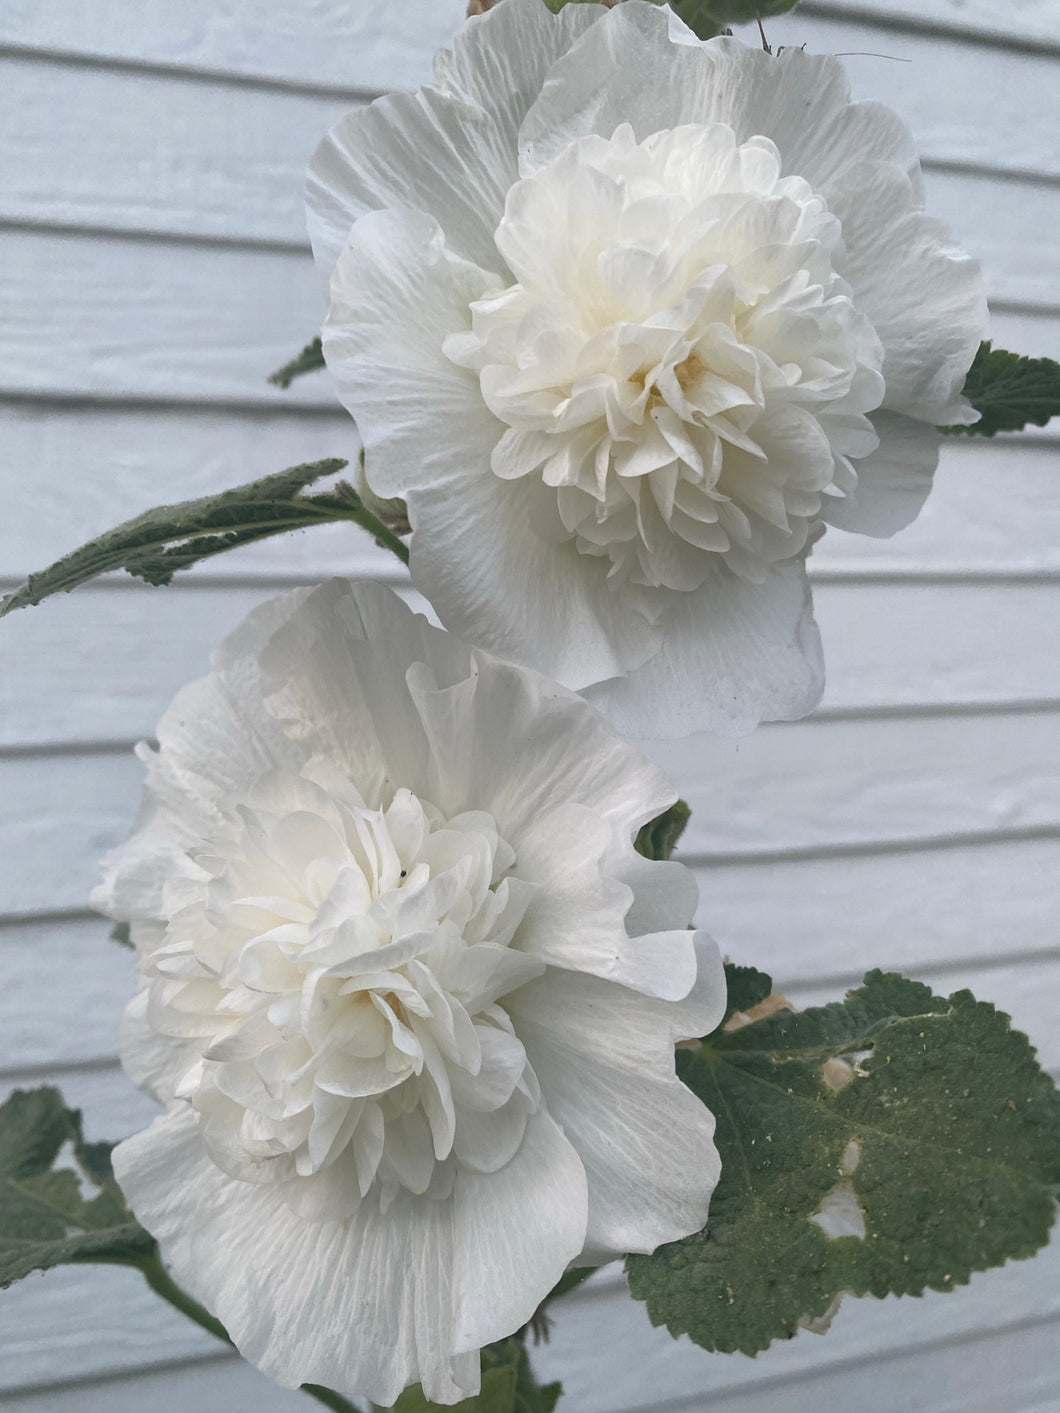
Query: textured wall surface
{"type": "Point", "coordinates": [153, 269]}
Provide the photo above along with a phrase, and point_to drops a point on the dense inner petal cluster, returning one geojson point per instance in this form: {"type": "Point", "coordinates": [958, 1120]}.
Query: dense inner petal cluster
{"type": "Point", "coordinates": [338, 969]}
{"type": "Point", "coordinates": [679, 364]}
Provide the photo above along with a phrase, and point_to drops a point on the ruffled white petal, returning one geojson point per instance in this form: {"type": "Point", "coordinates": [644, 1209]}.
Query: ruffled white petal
{"type": "Point", "coordinates": [448, 150]}
{"type": "Point", "coordinates": [368, 1305]}
{"type": "Point", "coordinates": [799, 101]}
{"type": "Point", "coordinates": [647, 1144]}
{"type": "Point", "coordinates": [336, 678]}
{"type": "Point", "coordinates": [515, 1230]}
{"type": "Point", "coordinates": [426, 151]}
{"type": "Point", "coordinates": [397, 293]}
{"type": "Point", "coordinates": [565, 754]}
{"type": "Point", "coordinates": [892, 483]}
{"type": "Point", "coordinates": [733, 654]}
{"type": "Point", "coordinates": [154, 1062]}
{"type": "Point", "coordinates": [576, 918]}
{"type": "Point", "coordinates": [214, 741]}
{"type": "Point", "coordinates": [491, 578]}
{"type": "Point", "coordinates": [925, 296]}
{"type": "Point", "coordinates": [500, 60]}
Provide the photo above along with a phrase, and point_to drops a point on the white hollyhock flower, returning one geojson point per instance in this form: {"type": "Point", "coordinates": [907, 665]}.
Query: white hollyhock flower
{"type": "Point", "coordinates": [627, 318]}
{"type": "Point", "coordinates": [408, 993]}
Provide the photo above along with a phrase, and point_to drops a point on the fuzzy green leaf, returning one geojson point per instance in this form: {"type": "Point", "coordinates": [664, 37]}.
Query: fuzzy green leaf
{"type": "Point", "coordinates": [942, 1139]}
{"type": "Point", "coordinates": [47, 1217]}
{"type": "Point", "coordinates": [308, 361]}
{"type": "Point", "coordinates": [154, 545]}
{"type": "Point", "coordinates": [746, 988]}
{"type": "Point", "coordinates": [658, 838]}
{"type": "Point", "coordinates": [710, 17]}
{"type": "Point", "coordinates": [1010, 391]}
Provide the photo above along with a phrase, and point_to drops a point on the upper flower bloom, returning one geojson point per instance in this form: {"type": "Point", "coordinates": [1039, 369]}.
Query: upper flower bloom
{"type": "Point", "coordinates": [626, 318]}
{"type": "Point", "coordinates": [409, 995]}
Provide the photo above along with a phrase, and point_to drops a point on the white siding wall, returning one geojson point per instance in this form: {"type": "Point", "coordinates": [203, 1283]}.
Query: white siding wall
{"type": "Point", "coordinates": [153, 269]}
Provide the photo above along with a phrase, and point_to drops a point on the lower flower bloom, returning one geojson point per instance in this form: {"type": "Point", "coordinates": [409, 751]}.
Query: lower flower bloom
{"type": "Point", "coordinates": [408, 994]}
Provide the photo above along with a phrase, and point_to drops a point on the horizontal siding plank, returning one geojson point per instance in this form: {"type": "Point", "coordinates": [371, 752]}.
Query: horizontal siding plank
{"type": "Point", "coordinates": [191, 158]}
{"type": "Point", "coordinates": [127, 318]}
{"type": "Point", "coordinates": [111, 464]}
{"type": "Point", "coordinates": [221, 1385]}
{"type": "Point", "coordinates": [1013, 1369]}
{"type": "Point", "coordinates": [914, 644]}
{"type": "Point", "coordinates": [936, 89]}
{"type": "Point", "coordinates": [62, 988]}
{"type": "Point", "coordinates": [139, 649]}
{"type": "Point", "coordinates": [979, 19]}
{"type": "Point", "coordinates": [914, 901]}
{"type": "Point", "coordinates": [208, 160]}
{"type": "Point", "coordinates": [846, 783]}
{"type": "Point", "coordinates": [850, 786]}
{"type": "Point", "coordinates": [107, 660]}
{"type": "Point", "coordinates": [993, 510]}
{"type": "Point", "coordinates": [1035, 333]}
{"type": "Point", "coordinates": [805, 918]}
{"type": "Point", "coordinates": [350, 44]}
{"type": "Point", "coordinates": [343, 43]}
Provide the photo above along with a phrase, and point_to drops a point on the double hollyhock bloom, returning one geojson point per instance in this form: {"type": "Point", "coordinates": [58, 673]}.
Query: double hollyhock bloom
{"type": "Point", "coordinates": [627, 319]}
{"type": "Point", "coordinates": [408, 993]}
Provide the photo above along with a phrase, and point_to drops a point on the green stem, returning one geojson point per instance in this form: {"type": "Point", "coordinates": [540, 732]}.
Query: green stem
{"type": "Point", "coordinates": [382, 533]}
{"type": "Point", "coordinates": [163, 1284]}
{"type": "Point", "coordinates": [329, 1398]}
{"type": "Point", "coordinates": [570, 1281]}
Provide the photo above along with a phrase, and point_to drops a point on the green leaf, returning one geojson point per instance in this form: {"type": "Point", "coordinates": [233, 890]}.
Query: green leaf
{"type": "Point", "coordinates": [940, 1134]}
{"type": "Point", "coordinates": [157, 543]}
{"type": "Point", "coordinates": [46, 1217]}
{"type": "Point", "coordinates": [508, 1386]}
{"type": "Point", "coordinates": [122, 934]}
{"type": "Point", "coordinates": [747, 988]}
{"type": "Point", "coordinates": [1010, 391]}
{"type": "Point", "coordinates": [658, 838]}
{"type": "Point", "coordinates": [308, 361]}
{"type": "Point", "coordinates": [710, 17]}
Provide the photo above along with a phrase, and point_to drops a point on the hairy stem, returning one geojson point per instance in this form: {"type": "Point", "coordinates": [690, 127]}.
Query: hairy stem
{"type": "Point", "coordinates": [163, 1284]}
{"type": "Point", "coordinates": [381, 532]}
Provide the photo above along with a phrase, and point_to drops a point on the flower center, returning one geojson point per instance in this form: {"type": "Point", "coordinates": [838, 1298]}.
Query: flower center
{"type": "Point", "coordinates": [338, 969]}
{"type": "Point", "coordinates": [679, 365]}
